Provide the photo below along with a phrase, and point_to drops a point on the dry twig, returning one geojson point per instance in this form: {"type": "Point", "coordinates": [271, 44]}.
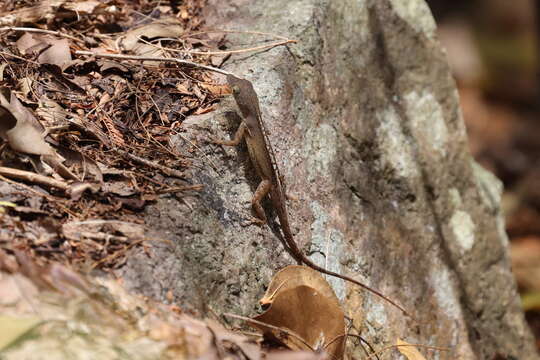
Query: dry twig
{"type": "Point", "coordinates": [225, 52]}
{"type": "Point", "coordinates": [35, 30]}
{"type": "Point", "coordinates": [33, 178]}
{"type": "Point", "coordinates": [154, 58]}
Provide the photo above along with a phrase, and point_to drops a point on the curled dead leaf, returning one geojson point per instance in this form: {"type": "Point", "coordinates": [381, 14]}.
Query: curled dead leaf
{"type": "Point", "coordinates": [27, 134]}
{"type": "Point", "coordinates": [293, 276]}
{"type": "Point", "coordinates": [303, 302]}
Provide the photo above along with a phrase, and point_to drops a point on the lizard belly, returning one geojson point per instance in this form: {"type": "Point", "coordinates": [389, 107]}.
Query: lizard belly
{"type": "Point", "coordinates": [259, 158]}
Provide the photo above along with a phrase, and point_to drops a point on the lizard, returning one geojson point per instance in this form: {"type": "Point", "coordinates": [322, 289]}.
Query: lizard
{"type": "Point", "coordinates": [252, 130]}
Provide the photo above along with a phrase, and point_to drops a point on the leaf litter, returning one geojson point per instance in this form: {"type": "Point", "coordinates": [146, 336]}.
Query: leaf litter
{"type": "Point", "coordinates": [87, 138]}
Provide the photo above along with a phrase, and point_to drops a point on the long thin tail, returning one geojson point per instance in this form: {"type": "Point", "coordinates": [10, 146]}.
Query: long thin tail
{"type": "Point", "coordinates": [300, 257]}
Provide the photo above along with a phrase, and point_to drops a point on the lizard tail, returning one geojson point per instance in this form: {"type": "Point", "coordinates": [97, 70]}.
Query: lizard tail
{"type": "Point", "coordinates": [295, 250]}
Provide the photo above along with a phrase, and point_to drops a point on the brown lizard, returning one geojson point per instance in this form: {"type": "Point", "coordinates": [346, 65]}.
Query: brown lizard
{"type": "Point", "coordinates": [261, 154]}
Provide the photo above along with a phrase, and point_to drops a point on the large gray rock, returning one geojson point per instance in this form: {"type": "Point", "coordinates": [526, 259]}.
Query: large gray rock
{"type": "Point", "coordinates": [364, 118]}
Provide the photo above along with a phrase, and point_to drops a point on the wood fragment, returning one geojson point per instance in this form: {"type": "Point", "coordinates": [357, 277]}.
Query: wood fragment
{"type": "Point", "coordinates": [33, 178]}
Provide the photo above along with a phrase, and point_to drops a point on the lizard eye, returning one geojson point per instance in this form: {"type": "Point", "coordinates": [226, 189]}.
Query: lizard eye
{"type": "Point", "coordinates": [235, 89]}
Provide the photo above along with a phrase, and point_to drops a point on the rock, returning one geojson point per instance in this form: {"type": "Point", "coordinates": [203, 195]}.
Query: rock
{"type": "Point", "coordinates": [364, 118]}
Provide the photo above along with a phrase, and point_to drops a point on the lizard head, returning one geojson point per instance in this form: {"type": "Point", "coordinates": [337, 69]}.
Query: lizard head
{"type": "Point", "coordinates": [235, 89]}
{"type": "Point", "coordinates": [245, 95]}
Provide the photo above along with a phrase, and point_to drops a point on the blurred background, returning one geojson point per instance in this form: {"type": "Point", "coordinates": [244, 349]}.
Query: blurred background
{"type": "Point", "coordinates": [493, 48]}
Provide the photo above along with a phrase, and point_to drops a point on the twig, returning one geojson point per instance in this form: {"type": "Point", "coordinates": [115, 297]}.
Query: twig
{"type": "Point", "coordinates": [362, 340]}
{"type": "Point", "coordinates": [154, 165]}
{"type": "Point", "coordinates": [235, 32]}
{"type": "Point", "coordinates": [18, 57]}
{"type": "Point", "coordinates": [33, 178]}
{"type": "Point", "coordinates": [35, 30]}
{"type": "Point", "coordinates": [227, 52]}
{"type": "Point", "coordinates": [283, 330]}
{"type": "Point", "coordinates": [153, 58]}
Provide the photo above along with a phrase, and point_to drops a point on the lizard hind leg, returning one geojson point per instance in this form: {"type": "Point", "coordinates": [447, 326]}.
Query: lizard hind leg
{"type": "Point", "coordinates": [262, 190]}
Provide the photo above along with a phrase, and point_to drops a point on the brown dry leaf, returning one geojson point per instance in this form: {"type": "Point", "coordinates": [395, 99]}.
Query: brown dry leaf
{"type": "Point", "coordinates": [311, 315]}
{"type": "Point", "coordinates": [408, 350]}
{"type": "Point", "coordinates": [183, 87]}
{"type": "Point", "coordinates": [28, 43]}
{"type": "Point", "coordinates": [82, 7]}
{"type": "Point", "coordinates": [296, 275]}
{"type": "Point", "coordinates": [27, 135]}
{"type": "Point", "coordinates": [56, 53]}
{"type": "Point", "coordinates": [2, 68]}
{"type": "Point", "coordinates": [45, 10]}
{"type": "Point", "coordinates": [86, 167]}
{"type": "Point", "coordinates": [217, 90]}
{"type": "Point", "coordinates": [170, 27]}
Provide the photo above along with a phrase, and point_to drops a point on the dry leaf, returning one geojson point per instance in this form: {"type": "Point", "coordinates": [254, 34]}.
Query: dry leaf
{"type": "Point", "coordinates": [408, 350]}
{"type": "Point", "coordinates": [82, 7]}
{"type": "Point", "coordinates": [57, 50]}
{"type": "Point", "coordinates": [27, 135]}
{"type": "Point", "coordinates": [217, 90]}
{"type": "Point", "coordinates": [303, 302]}
{"type": "Point", "coordinates": [57, 54]}
{"type": "Point", "coordinates": [45, 10]}
{"type": "Point", "coordinates": [171, 28]}
{"type": "Point", "coordinates": [295, 275]}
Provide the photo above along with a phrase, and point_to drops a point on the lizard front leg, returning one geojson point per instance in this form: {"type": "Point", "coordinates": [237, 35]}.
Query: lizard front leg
{"type": "Point", "coordinates": [240, 133]}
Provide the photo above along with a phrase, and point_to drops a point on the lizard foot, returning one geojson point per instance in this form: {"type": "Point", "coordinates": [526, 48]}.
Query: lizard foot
{"type": "Point", "coordinates": [254, 221]}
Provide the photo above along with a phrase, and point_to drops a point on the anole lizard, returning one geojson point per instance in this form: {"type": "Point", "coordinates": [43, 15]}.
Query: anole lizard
{"type": "Point", "coordinates": [261, 154]}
